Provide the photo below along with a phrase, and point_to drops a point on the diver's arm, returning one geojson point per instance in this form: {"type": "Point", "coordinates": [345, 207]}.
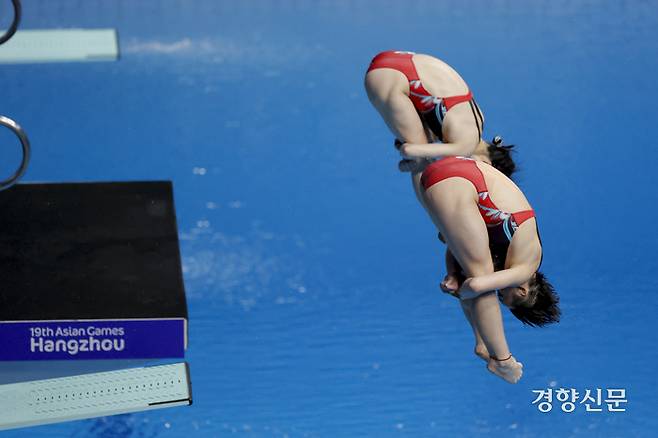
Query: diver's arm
{"type": "Point", "coordinates": [460, 139]}
{"type": "Point", "coordinates": [524, 256]}
{"type": "Point", "coordinates": [435, 150]}
{"type": "Point", "coordinates": [514, 276]}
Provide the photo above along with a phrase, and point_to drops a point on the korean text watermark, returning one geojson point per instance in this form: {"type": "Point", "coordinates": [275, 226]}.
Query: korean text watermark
{"type": "Point", "coordinates": [592, 400]}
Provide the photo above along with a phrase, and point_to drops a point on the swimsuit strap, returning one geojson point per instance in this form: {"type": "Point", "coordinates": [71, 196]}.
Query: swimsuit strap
{"type": "Point", "coordinates": [522, 216]}
{"type": "Point", "coordinates": [451, 101]}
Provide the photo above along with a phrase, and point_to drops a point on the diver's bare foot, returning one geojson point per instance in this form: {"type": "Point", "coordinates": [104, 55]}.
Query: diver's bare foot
{"type": "Point", "coordinates": [482, 352]}
{"type": "Point", "coordinates": [509, 369]}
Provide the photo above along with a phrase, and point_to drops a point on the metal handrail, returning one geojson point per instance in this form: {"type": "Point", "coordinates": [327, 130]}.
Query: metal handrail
{"type": "Point", "coordinates": [25, 144]}
{"type": "Point", "coordinates": [14, 24]}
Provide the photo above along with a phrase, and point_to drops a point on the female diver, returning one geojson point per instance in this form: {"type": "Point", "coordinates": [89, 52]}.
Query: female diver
{"type": "Point", "coordinates": [438, 107]}
{"type": "Point", "coordinates": [492, 246]}
{"type": "Point", "coordinates": [416, 114]}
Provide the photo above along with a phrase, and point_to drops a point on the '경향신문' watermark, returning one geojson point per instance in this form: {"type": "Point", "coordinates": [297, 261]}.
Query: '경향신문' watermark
{"type": "Point", "coordinates": [570, 398]}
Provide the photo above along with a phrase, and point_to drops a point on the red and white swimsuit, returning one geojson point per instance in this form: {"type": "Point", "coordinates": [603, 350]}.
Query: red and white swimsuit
{"type": "Point", "coordinates": [501, 225]}
{"type": "Point", "coordinates": [432, 109]}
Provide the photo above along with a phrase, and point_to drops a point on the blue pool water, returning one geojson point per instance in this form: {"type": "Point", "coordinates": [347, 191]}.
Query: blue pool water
{"type": "Point", "coordinates": [311, 272]}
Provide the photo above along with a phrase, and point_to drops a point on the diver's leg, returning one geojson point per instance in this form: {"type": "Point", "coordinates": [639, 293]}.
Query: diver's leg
{"type": "Point", "coordinates": [453, 202]}
{"type": "Point", "coordinates": [480, 348]}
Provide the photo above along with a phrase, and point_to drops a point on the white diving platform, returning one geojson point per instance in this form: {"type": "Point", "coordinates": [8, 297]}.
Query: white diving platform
{"type": "Point", "coordinates": [94, 395]}
{"type": "Point", "coordinates": [60, 45]}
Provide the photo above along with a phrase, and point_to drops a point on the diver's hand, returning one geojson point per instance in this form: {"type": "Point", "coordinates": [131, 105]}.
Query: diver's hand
{"type": "Point", "coordinates": [407, 150]}
{"type": "Point", "coordinates": [466, 291]}
{"type": "Point", "coordinates": [450, 285]}
{"type": "Point", "coordinates": [407, 165]}
{"type": "Point", "coordinates": [415, 166]}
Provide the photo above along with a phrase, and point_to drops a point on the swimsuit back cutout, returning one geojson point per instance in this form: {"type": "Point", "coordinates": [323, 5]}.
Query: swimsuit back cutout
{"type": "Point", "coordinates": [432, 109]}
{"type": "Point", "coordinates": [501, 225]}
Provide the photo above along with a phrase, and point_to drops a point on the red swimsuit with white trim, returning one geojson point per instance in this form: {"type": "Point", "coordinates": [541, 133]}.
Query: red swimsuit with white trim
{"type": "Point", "coordinates": [501, 225]}
{"type": "Point", "coordinates": [432, 109]}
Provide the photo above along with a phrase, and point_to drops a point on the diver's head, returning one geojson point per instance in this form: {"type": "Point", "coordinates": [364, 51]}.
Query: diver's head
{"type": "Point", "coordinates": [498, 155]}
{"type": "Point", "coordinates": [534, 302]}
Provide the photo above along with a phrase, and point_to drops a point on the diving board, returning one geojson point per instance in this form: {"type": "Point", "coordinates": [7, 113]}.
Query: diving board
{"type": "Point", "coordinates": [60, 45]}
{"type": "Point", "coordinates": [91, 276]}
{"type": "Point", "coordinates": [94, 395]}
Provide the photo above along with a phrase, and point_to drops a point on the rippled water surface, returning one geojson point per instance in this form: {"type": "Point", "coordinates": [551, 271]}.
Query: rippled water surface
{"type": "Point", "coordinates": [312, 274]}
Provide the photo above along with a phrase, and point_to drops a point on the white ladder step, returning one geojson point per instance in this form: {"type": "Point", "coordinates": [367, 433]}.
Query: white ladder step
{"type": "Point", "coordinates": [94, 395]}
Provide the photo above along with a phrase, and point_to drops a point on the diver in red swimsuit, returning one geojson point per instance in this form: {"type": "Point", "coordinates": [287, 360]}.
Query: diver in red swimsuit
{"type": "Point", "coordinates": [432, 109]}
{"type": "Point", "coordinates": [419, 113]}
{"type": "Point", "coordinates": [460, 194]}
{"type": "Point", "coordinates": [460, 134]}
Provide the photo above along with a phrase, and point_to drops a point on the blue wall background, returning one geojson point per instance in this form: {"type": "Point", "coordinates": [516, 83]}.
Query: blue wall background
{"type": "Point", "coordinates": [312, 274]}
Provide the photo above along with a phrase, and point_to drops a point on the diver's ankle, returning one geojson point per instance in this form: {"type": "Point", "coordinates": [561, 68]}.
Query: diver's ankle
{"type": "Point", "coordinates": [506, 359]}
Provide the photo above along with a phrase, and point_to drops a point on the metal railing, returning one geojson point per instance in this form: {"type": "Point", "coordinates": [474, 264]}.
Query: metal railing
{"type": "Point", "coordinates": [6, 121]}
{"type": "Point", "coordinates": [14, 24]}
{"type": "Point", "coordinates": [25, 144]}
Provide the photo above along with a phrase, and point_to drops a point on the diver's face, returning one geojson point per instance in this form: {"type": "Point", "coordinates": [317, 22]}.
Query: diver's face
{"type": "Point", "coordinates": [513, 296]}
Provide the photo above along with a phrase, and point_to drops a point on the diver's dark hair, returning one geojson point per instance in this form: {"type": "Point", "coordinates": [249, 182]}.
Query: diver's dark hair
{"type": "Point", "coordinates": [501, 156]}
{"type": "Point", "coordinates": [541, 307]}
